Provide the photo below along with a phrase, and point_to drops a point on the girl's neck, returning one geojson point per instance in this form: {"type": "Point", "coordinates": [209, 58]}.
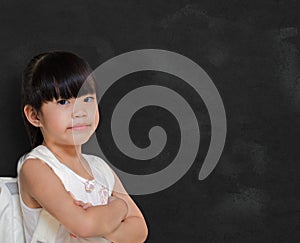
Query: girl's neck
{"type": "Point", "coordinates": [71, 156]}
{"type": "Point", "coordinates": [65, 152]}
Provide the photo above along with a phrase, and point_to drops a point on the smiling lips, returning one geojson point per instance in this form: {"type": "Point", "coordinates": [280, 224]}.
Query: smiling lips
{"type": "Point", "coordinates": [79, 127]}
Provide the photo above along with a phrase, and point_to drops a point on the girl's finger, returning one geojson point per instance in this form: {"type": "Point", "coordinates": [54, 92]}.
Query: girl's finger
{"type": "Point", "coordinates": [111, 198]}
{"type": "Point", "coordinates": [79, 203]}
{"type": "Point", "coordinates": [73, 236]}
{"type": "Point", "coordinates": [87, 205]}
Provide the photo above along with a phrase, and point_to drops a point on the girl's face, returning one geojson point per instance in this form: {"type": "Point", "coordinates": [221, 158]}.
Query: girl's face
{"type": "Point", "coordinates": [69, 121]}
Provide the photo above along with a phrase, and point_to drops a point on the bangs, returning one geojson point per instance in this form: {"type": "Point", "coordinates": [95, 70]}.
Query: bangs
{"type": "Point", "coordinates": [62, 77]}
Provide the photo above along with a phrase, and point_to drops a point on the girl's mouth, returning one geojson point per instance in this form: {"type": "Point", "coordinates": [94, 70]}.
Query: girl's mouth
{"type": "Point", "coordinates": [79, 127]}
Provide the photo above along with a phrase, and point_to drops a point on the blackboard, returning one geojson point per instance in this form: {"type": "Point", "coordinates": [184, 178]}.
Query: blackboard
{"type": "Point", "coordinates": [249, 49]}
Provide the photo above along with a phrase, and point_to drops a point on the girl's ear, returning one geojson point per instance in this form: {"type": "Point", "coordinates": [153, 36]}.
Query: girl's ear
{"type": "Point", "coordinates": [32, 115]}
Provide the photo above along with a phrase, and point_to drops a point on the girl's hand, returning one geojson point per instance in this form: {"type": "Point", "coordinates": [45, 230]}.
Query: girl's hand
{"type": "Point", "coordinates": [80, 204]}
{"type": "Point", "coordinates": [111, 198]}
{"type": "Point", "coordinates": [83, 204]}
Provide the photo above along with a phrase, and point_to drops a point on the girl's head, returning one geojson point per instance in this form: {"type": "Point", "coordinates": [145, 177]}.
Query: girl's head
{"type": "Point", "coordinates": [52, 76]}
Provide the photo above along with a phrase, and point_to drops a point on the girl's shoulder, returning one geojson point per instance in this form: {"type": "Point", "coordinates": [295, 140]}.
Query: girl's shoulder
{"type": "Point", "coordinates": [28, 156]}
{"type": "Point", "coordinates": [40, 152]}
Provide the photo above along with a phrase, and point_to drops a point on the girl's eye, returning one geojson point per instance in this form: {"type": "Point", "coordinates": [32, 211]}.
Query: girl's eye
{"type": "Point", "coordinates": [63, 102]}
{"type": "Point", "coordinates": [88, 99]}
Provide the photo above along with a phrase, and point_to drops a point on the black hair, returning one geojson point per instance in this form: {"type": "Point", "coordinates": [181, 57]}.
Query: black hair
{"type": "Point", "coordinates": [53, 75]}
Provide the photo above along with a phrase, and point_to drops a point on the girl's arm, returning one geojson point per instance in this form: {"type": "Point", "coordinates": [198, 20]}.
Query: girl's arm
{"type": "Point", "coordinates": [133, 228]}
{"type": "Point", "coordinates": [40, 187]}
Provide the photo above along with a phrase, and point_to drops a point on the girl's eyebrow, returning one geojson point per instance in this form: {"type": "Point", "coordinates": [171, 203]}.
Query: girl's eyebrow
{"type": "Point", "coordinates": [86, 95]}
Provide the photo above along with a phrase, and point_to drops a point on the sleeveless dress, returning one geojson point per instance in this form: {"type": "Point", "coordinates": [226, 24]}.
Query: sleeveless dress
{"type": "Point", "coordinates": [73, 183]}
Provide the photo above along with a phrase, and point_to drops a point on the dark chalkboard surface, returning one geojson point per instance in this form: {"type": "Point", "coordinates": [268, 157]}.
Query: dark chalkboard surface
{"type": "Point", "coordinates": [249, 49]}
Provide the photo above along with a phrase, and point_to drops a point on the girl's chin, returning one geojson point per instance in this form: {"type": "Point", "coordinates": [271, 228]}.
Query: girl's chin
{"type": "Point", "coordinates": [80, 139]}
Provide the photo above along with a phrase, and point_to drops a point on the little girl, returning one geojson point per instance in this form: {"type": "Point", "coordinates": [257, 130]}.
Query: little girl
{"type": "Point", "coordinates": [79, 191]}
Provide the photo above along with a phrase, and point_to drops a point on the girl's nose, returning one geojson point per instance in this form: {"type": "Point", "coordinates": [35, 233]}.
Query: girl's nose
{"type": "Point", "coordinates": [78, 111]}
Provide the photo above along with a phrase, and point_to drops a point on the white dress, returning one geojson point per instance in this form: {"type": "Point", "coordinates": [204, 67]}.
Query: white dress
{"type": "Point", "coordinates": [73, 183]}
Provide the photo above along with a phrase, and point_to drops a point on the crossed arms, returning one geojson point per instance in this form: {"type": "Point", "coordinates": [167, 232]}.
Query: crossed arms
{"type": "Point", "coordinates": [119, 221]}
